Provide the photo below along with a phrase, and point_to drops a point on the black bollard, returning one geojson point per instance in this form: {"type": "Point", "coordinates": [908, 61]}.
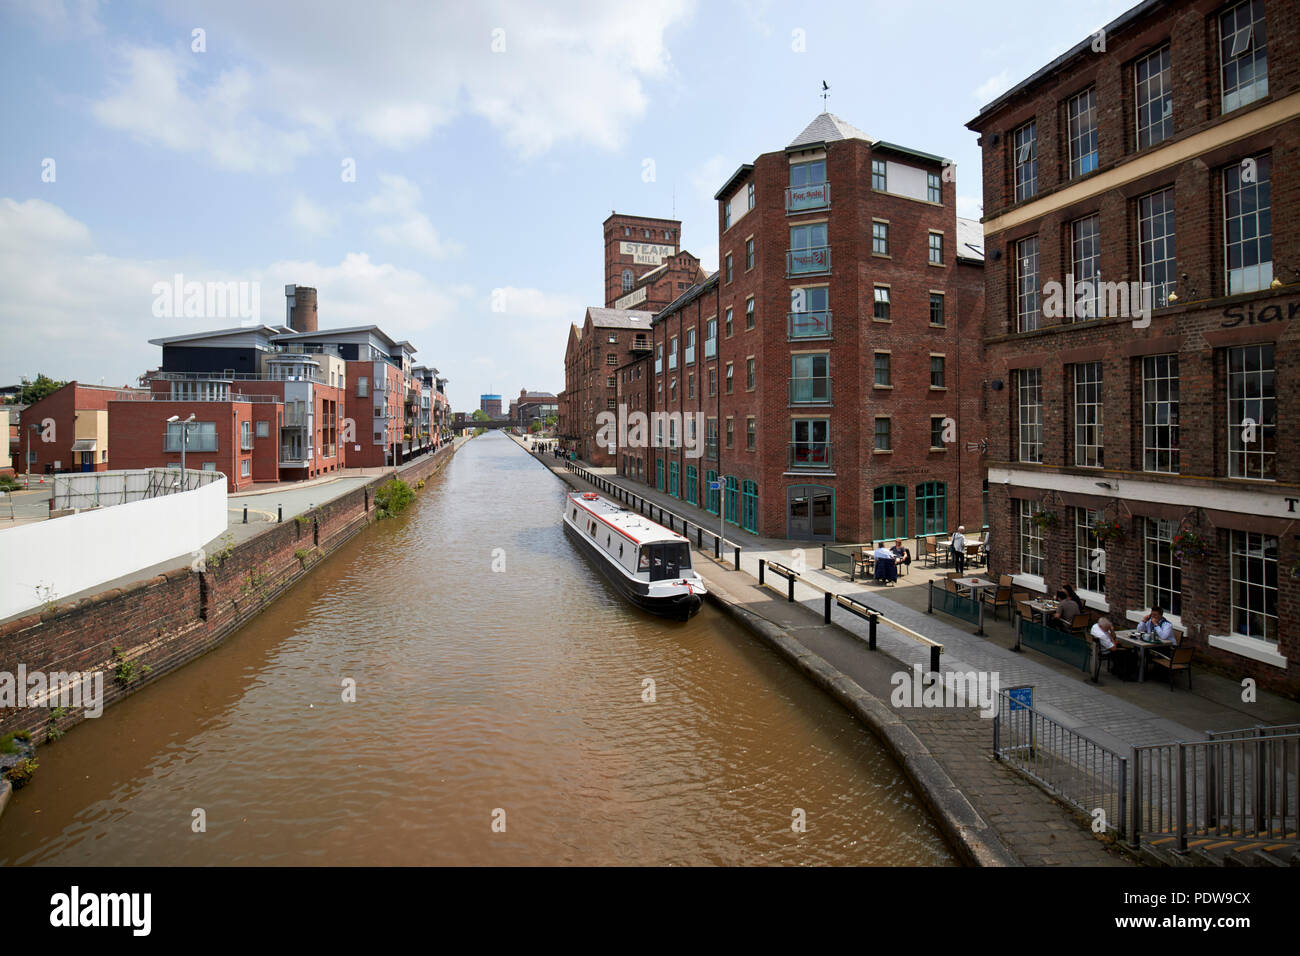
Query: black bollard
{"type": "Point", "coordinates": [871, 632]}
{"type": "Point", "coordinates": [738, 568]}
{"type": "Point", "coordinates": [279, 513]}
{"type": "Point", "coordinates": [245, 514]}
{"type": "Point", "coordinates": [762, 564]}
{"type": "Point", "coordinates": [789, 586]}
{"type": "Point", "coordinates": [934, 659]}
{"type": "Point", "coordinates": [826, 610]}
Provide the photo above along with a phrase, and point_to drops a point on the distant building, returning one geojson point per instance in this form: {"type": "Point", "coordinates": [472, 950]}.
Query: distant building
{"type": "Point", "coordinates": [491, 404]}
{"type": "Point", "coordinates": [532, 406]}
{"type": "Point", "coordinates": [68, 430]}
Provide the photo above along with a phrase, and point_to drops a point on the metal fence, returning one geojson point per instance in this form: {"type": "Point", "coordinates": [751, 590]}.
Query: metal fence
{"type": "Point", "coordinates": [1068, 648]}
{"type": "Point", "coordinates": [839, 557]}
{"type": "Point", "coordinates": [1234, 787]}
{"type": "Point", "coordinates": [1080, 771]}
{"type": "Point", "coordinates": [958, 605]}
{"type": "Point", "coordinates": [98, 489]}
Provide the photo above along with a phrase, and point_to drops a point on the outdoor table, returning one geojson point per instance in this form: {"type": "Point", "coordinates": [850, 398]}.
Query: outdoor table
{"type": "Point", "coordinates": [1044, 608]}
{"type": "Point", "coordinates": [975, 584]}
{"type": "Point", "coordinates": [1131, 639]}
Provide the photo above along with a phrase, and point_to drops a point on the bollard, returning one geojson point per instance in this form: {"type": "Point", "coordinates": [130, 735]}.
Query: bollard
{"type": "Point", "coordinates": [871, 632]}
{"type": "Point", "coordinates": [699, 537]}
{"type": "Point", "coordinates": [762, 565]}
{"type": "Point", "coordinates": [717, 547]}
{"type": "Point", "coordinates": [934, 659]}
{"type": "Point", "coordinates": [245, 514]}
{"type": "Point", "coordinates": [279, 513]}
{"type": "Point", "coordinates": [789, 582]}
{"type": "Point", "coordinates": [738, 568]}
{"type": "Point", "coordinates": [826, 610]}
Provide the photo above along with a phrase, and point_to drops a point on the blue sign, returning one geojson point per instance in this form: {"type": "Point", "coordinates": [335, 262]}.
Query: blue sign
{"type": "Point", "coordinates": [1021, 697]}
{"type": "Point", "coordinates": [715, 486]}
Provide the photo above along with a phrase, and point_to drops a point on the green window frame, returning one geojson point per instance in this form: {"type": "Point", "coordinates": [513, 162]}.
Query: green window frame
{"type": "Point", "coordinates": [889, 512]}
{"type": "Point", "coordinates": [749, 506]}
{"type": "Point", "coordinates": [931, 508]}
{"type": "Point", "coordinates": [711, 497]}
{"type": "Point", "coordinates": [733, 501]}
{"type": "Point", "coordinates": [692, 485]}
{"type": "Point", "coordinates": [659, 474]}
{"type": "Point", "coordinates": [674, 485]}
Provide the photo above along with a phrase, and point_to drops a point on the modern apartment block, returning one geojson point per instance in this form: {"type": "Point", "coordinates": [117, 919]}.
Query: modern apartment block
{"type": "Point", "coordinates": [593, 355]}
{"type": "Point", "coordinates": [835, 355]}
{"type": "Point", "coordinates": [1140, 453]}
{"type": "Point", "coordinates": [67, 430]}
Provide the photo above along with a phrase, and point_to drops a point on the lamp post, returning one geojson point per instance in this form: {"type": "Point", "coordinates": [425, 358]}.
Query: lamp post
{"type": "Point", "coordinates": [185, 439]}
{"type": "Point", "coordinates": [27, 470]}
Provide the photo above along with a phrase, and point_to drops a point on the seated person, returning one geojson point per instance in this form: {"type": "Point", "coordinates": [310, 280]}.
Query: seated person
{"type": "Point", "coordinates": [884, 567]}
{"type": "Point", "coordinates": [1066, 611]}
{"type": "Point", "coordinates": [901, 554]}
{"type": "Point", "coordinates": [1103, 632]}
{"type": "Point", "coordinates": [1156, 626]}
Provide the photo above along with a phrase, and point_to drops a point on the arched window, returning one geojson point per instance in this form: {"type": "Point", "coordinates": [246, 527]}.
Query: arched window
{"type": "Point", "coordinates": [628, 280]}
{"type": "Point", "coordinates": [931, 508]}
{"type": "Point", "coordinates": [890, 513]}
{"type": "Point", "coordinates": [749, 506]}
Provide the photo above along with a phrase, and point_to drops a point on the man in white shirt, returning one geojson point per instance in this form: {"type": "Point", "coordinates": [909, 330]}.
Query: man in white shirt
{"type": "Point", "coordinates": [959, 550]}
{"type": "Point", "coordinates": [1103, 632]}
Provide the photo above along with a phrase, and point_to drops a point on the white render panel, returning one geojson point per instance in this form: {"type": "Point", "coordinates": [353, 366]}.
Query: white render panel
{"type": "Point", "coordinates": [906, 180]}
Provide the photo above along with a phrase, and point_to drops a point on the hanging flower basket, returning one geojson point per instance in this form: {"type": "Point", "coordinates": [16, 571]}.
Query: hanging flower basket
{"type": "Point", "coordinates": [1108, 530]}
{"type": "Point", "coordinates": [1189, 546]}
{"type": "Point", "coordinates": [1045, 520]}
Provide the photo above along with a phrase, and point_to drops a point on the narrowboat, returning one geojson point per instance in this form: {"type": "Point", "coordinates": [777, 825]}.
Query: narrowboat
{"type": "Point", "coordinates": [649, 564]}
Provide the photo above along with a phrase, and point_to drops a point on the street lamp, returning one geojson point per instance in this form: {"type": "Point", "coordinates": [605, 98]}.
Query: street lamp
{"type": "Point", "coordinates": [27, 471]}
{"type": "Point", "coordinates": [185, 438]}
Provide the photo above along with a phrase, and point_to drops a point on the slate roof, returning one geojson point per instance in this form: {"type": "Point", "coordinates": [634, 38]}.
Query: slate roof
{"type": "Point", "coordinates": [618, 318]}
{"type": "Point", "coordinates": [827, 128]}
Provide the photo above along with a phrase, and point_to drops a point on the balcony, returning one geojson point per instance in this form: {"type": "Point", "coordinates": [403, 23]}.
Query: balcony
{"type": "Point", "coordinates": [294, 456]}
{"type": "Point", "coordinates": [672, 361]}
{"type": "Point", "coordinates": [808, 325]}
{"type": "Point", "coordinates": [659, 366]}
{"type": "Point", "coordinates": [689, 358]}
{"type": "Point", "coordinates": [640, 344]}
{"type": "Point", "coordinates": [295, 416]}
{"type": "Point", "coordinates": [803, 262]}
{"type": "Point", "coordinates": [812, 196]}
{"type": "Point", "coordinates": [710, 348]}
{"type": "Point", "coordinates": [810, 391]}
{"type": "Point", "coordinates": [810, 454]}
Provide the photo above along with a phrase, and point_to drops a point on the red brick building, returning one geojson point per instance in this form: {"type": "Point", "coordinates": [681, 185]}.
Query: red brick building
{"type": "Point", "coordinates": [605, 341]}
{"type": "Point", "coordinates": [835, 354]}
{"type": "Point", "coordinates": [1150, 441]}
{"type": "Point", "coordinates": [67, 430]}
{"type": "Point", "coordinates": [634, 247]}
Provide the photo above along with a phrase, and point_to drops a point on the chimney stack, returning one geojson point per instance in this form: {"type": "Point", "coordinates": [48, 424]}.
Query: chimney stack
{"type": "Point", "coordinates": [300, 308]}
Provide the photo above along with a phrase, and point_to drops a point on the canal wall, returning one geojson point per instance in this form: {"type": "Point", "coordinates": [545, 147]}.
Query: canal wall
{"type": "Point", "coordinates": [136, 634]}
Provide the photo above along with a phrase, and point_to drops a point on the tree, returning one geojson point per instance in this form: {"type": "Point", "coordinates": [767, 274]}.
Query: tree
{"type": "Point", "coordinates": [34, 391]}
{"type": "Point", "coordinates": [481, 416]}
{"type": "Point", "coordinates": [552, 421]}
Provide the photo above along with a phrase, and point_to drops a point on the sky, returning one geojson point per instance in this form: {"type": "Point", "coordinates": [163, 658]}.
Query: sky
{"type": "Point", "coordinates": [438, 169]}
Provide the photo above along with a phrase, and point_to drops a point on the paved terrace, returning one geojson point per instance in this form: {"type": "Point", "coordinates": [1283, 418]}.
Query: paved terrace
{"type": "Point", "coordinates": [1115, 714]}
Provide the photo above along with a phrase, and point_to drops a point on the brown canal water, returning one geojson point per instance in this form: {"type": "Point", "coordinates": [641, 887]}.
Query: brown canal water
{"type": "Point", "coordinates": [476, 692]}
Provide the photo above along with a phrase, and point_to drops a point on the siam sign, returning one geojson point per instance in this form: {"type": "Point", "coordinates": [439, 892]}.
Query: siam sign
{"type": "Point", "coordinates": [1248, 315]}
{"type": "Point", "coordinates": [646, 253]}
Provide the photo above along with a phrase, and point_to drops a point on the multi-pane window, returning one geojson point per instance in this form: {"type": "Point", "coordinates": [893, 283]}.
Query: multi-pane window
{"type": "Point", "coordinates": [1025, 157]}
{"type": "Point", "coordinates": [1030, 399]}
{"type": "Point", "coordinates": [810, 442]}
{"type": "Point", "coordinates": [363, 386]}
{"type": "Point", "coordinates": [728, 266]}
{"type": "Point", "coordinates": [612, 357]}
{"type": "Point", "coordinates": [931, 508]}
{"type": "Point", "coordinates": [1089, 552]}
{"type": "Point", "coordinates": [751, 434]}
{"type": "Point", "coordinates": [1252, 412]}
{"type": "Point", "coordinates": [806, 174]}
{"type": "Point", "coordinates": [936, 248]}
{"type": "Point", "coordinates": [937, 372]}
{"type": "Point", "coordinates": [202, 436]}
{"type": "Point", "coordinates": [933, 187]}
{"type": "Point", "coordinates": [810, 378]}
{"type": "Point", "coordinates": [936, 431]}
{"type": "Point", "coordinates": [750, 196]}
{"type": "Point", "coordinates": [1153, 98]}
{"type": "Point", "coordinates": [1248, 225]}
{"type": "Point", "coordinates": [1157, 251]}
{"type": "Point", "coordinates": [880, 308]}
{"type": "Point", "coordinates": [749, 373]}
{"type": "Point", "coordinates": [884, 434]}
{"type": "Point", "coordinates": [727, 323]}
{"type": "Point", "coordinates": [1081, 120]}
{"type": "Point", "coordinates": [1160, 414]}
{"type": "Point", "coordinates": [246, 436]}
{"type": "Point", "coordinates": [808, 249]}
{"type": "Point", "coordinates": [1029, 539]}
{"type": "Point", "coordinates": [1243, 54]}
{"type": "Point", "coordinates": [1028, 301]}
{"type": "Point", "coordinates": [729, 377]}
{"type": "Point", "coordinates": [628, 280]}
{"type": "Point", "coordinates": [1085, 258]}
{"type": "Point", "coordinates": [713, 380]}
{"type": "Point", "coordinates": [883, 369]}
{"type": "Point", "coordinates": [809, 313]}
{"type": "Point", "coordinates": [711, 338]}
{"type": "Point", "coordinates": [731, 432]}
{"type": "Point", "coordinates": [1087, 415]}
{"type": "Point", "coordinates": [878, 177]}
{"type": "Point", "coordinates": [1254, 585]}
{"type": "Point", "coordinates": [889, 511]}
{"type": "Point", "coordinates": [690, 385]}
{"type": "Point", "coordinates": [1164, 575]}
{"type": "Point", "coordinates": [749, 253]}
{"type": "Point", "coordinates": [749, 312]}
{"type": "Point", "coordinates": [936, 308]}
{"type": "Point", "coordinates": [880, 238]}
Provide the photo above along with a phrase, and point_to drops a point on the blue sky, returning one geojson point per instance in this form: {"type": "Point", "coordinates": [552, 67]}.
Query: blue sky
{"type": "Point", "coordinates": [477, 169]}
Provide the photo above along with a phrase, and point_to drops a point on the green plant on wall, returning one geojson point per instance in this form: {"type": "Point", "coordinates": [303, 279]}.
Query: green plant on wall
{"type": "Point", "coordinates": [20, 774]}
{"type": "Point", "coordinates": [52, 731]}
{"type": "Point", "coordinates": [392, 498]}
{"type": "Point", "coordinates": [214, 560]}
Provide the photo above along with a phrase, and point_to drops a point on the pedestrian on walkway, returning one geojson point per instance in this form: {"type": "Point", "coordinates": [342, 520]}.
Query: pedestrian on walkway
{"type": "Point", "coordinates": [959, 550]}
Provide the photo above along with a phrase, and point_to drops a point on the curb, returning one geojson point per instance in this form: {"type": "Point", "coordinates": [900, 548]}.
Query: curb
{"type": "Point", "coordinates": [5, 789]}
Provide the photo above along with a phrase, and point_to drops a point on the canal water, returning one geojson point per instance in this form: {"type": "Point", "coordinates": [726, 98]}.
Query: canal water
{"type": "Point", "coordinates": [513, 696]}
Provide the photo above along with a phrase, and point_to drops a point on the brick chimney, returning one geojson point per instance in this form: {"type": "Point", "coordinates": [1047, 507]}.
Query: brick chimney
{"type": "Point", "coordinates": [300, 308]}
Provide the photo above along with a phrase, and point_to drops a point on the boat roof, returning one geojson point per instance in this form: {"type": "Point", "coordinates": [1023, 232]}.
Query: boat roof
{"type": "Point", "coordinates": [631, 524]}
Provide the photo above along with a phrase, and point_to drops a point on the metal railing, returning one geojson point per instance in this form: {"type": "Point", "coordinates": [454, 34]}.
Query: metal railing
{"type": "Point", "coordinates": [810, 454]}
{"type": "Point", "coordinates": [1080, 771]}
{"type": "Point", "coordinates": [710, 348]}
{"type": "Point", "coordinates": [808, 261]}
{"type": "Point", "coordinates": [688, 357]}
{"type": "Point", "coordinates": [1234, 788]}
{"type": "Point", "coordinates": [956, 605]}
{"type": "Point", "coordinates": [810, 390]}
{"type": "Point", "coordinates": [808, 325]}
{"type": "Point", "coordinates": [640, 345]}
{"type": "Point", "coordinates": [99, 489]}
{"type": "Point", "coordinates": [811, 196]}
{"type": "Point", "coordinates": [1064, 646]}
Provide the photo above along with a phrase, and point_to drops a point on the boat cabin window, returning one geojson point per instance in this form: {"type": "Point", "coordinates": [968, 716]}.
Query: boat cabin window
{"type": "Point", "coordinates": [668, 559]}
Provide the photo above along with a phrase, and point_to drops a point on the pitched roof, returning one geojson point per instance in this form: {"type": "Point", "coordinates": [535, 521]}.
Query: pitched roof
{"type": "Point", "coordinates": [970, 239]}
{"type": "Point", "coordinates": [827, 128]}
{"type": "Point", "coordinates": [618, 318]}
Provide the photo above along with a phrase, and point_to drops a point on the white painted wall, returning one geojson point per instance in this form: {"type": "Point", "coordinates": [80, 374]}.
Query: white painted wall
{"type": "Point", "coordinates": [906, 180]}
{"type": "Point", "coordinates": [76, 552]}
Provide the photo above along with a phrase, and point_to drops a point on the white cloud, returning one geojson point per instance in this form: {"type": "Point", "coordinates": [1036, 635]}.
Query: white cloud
{"type": "Point", "coordinates": [536, 304]}
{"type": "Point", "coordinates": [970, 207]}
{"type": "Point", "coordinates": [402, 223]}
{"type": "Point", "coordinates": [311, 218]}
{"type": "Point", "coordinates": [393, 73]}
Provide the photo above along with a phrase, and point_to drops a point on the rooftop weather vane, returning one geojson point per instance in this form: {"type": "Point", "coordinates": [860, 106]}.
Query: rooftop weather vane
{"type": "Point", "coordinates": [826, 91]}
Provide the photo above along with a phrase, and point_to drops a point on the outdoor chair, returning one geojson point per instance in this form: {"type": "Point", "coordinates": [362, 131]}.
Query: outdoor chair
{"type": "Point", "coordinates": [861, 563]}
{"type": "Point", "coordinates": [1181, 661]}
{"type": "Point", "coordinates": [1080, 625]}
{"type": "Point", "coordinates": [1001, 598]}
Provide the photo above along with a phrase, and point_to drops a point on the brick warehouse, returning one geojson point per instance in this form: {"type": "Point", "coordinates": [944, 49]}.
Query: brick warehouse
{"type": "Point", "coordinates": [591, 359]}
{"type": "Point", "coordinates": [835, 354]}
{"type": "Point", "coordinates": [1157, 159]}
